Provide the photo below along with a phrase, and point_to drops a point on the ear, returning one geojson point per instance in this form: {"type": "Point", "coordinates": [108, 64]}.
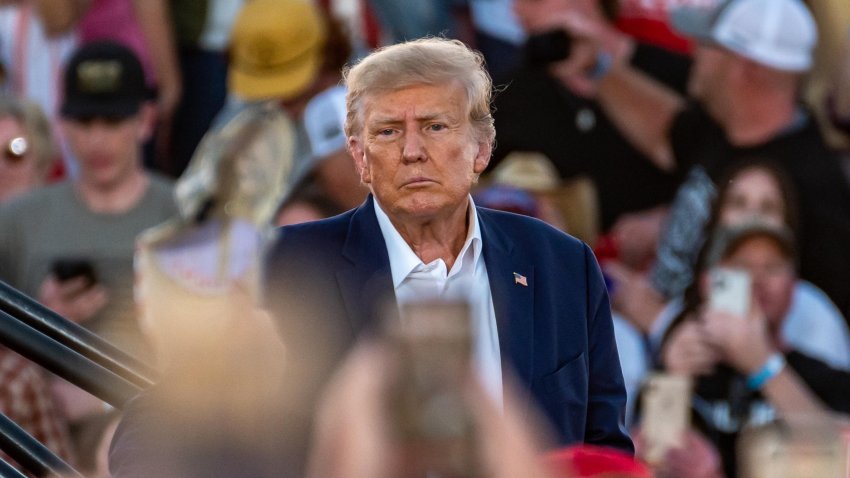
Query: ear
{"type": "Point", "coordinates": [147, 121]}
{"type": "Point", "coordinates": [355, 147]}
{"type": "Point", "coordinates": [482, 157]}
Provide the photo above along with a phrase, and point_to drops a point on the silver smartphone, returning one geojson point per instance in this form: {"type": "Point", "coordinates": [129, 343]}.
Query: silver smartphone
{"type": "Point", "coordinates": [731, 290]}
{"type": "Point", "coordinates": [665, 414]}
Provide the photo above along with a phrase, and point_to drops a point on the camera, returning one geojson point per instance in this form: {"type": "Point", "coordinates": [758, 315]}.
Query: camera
{"type": "Point", "coordinates": [548, 47]}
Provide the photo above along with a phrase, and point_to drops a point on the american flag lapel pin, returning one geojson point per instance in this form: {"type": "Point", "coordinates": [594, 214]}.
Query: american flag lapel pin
{"type": "Point", "coordinates": [520, 279]}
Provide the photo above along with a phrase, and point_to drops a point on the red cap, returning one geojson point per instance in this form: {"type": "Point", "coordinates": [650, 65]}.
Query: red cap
{"type": "Point", "coordinates": [586, 461]}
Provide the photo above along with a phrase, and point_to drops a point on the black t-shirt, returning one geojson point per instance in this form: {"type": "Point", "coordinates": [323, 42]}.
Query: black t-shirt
{"type": "Point", "coordinates": [829, 384]}
{"type": "Point", "coordinates": [535, 112]}
{"type": "Point", "coordinates": [723, 405]}
{"type": "Point", "coordinates": [821, 187]}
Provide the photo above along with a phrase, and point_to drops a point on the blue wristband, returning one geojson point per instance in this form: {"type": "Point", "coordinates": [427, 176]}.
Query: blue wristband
{"type": "Point", "coordinates": [771, 368]}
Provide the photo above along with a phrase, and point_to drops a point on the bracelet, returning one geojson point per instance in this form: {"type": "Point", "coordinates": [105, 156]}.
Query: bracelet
{"type": "Point", "coordinates": [771, 368]}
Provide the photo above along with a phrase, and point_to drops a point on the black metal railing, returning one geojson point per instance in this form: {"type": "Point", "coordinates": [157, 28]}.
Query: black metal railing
{"type": "Point", "coordinates": [29, 453]}
{"type": "Point", "coordinates": [74, 336]}
{"type": "Point", "coordinates": [71, 352]}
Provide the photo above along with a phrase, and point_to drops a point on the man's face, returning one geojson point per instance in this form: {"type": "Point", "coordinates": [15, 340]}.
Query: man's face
{"type": "Point", "coordinates": [772, 274]}
{"type": "Point", "coordinates": [18, 174]}
{"type": "Point", "coordinates": [417, 150]}
{"type": "Point", "coordinates": [108, 149]}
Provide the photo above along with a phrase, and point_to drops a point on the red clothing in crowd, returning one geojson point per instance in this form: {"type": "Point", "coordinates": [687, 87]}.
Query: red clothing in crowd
{"type": "Point", "coordinates": [26, 399]}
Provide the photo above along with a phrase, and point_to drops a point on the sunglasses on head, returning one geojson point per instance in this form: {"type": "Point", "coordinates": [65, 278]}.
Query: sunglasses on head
{"type": "Point", "coordinates": [16, 149]}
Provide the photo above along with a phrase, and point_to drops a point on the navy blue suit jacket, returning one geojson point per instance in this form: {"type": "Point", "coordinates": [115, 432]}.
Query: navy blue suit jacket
{"type": "Point", "coordinates": [325, 282]}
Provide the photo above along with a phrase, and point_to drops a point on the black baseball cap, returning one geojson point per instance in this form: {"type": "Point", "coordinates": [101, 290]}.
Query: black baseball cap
{"type": "Point", "coordinates": [103, 79]}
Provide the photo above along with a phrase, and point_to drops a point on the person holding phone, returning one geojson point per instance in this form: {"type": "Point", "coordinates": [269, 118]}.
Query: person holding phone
{"type": "Point", "coordinates": [70, 244]}
{"type": "Point", "coordinates": [534, 112]}
{"type": "Point", "coordinates": [731, 342]}
{"type": "Point", "coordinates": [750, 60]}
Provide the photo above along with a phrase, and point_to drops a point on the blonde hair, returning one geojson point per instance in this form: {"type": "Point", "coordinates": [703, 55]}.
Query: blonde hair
{"type": "Point", "coordinates": [429, 61]}
{"type": "Point", "coordinates": [36, 126]}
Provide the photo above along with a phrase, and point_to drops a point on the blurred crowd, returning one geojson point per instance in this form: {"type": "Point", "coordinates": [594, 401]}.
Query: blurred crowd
{"type": "Point", "coordinates": [704, 156]}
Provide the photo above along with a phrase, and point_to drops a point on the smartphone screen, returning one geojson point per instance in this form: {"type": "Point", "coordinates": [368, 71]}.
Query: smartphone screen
{"type": "Point", "coordinates": [432, 343]}
{"type": "Point", "coordinates": [66, 269]}
{"type": "Point", "coordinates": [730, 290]}
{"type": "Point", "coordinates": [665, 414]}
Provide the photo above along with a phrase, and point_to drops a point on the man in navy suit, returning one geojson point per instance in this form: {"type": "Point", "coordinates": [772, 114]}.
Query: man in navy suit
{"type": "Point", "coordinates": [420, 131]}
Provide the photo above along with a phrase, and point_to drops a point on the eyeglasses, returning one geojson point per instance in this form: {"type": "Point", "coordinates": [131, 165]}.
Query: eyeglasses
{"type": "Point", "coordinates": [16, 149]}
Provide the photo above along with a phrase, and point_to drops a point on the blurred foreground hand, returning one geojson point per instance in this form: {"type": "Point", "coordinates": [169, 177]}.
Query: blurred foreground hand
{"type": "Point", "coordinates": [353, 436]}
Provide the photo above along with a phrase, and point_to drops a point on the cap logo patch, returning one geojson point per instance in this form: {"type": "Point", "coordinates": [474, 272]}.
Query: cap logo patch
{"type": "Point", "coordinates": [262, 51]}
{"type": "Point", "coordinates": [102, 76]}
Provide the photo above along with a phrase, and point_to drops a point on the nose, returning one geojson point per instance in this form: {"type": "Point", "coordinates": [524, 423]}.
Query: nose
{"type": "Point", "coordinates": [414, 147]}
{"type": "Point", "coordinates": [96, 132]}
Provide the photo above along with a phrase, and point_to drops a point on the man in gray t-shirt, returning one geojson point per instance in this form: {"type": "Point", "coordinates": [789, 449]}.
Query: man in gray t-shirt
{"type": "Point", "coordinates": [95, 217]}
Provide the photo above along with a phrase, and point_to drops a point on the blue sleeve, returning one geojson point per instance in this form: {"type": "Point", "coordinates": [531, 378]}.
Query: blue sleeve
{"type": "Point", "coordinates": [606, 406]}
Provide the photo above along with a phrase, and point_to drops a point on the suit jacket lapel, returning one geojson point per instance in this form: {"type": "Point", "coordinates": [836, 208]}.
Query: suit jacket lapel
{"type": "Point", "coordinates": [513, 302]}
{"type": "Point", "coordinates": [367, 290]}
{"type": "Point", "coordinates": [366, 285]}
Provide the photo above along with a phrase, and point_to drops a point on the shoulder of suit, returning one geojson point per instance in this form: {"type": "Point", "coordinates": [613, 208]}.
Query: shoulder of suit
{"type": "Point", "coordinates": [332, 229]}
{"type": "Point", "coordinates": [525, 229]}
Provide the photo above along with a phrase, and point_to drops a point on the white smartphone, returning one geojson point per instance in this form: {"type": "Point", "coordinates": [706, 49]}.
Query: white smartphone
{"type": "Point", "coordinates": [730, 290]}
{"type": "Point", "coordinates": [665, 414]}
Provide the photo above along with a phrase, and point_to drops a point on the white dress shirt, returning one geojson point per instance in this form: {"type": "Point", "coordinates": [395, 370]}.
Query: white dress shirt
{"type": "Point", "coordinates": [414, 281]}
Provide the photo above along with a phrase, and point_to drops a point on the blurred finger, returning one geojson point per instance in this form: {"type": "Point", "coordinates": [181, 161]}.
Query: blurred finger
{"type": "Point", "coordinates": [512, 439]}
{"type": "Point", "coordinates": [49, 290]}
{"type": "Point", "coordinates": [350, 438]}
{"type": "Point", "coordinates": [86, 304]}
{"type": "Point", "coordinates": [72, 287]}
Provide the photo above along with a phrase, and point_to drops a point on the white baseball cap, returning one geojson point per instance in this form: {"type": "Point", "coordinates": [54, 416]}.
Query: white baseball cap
{"type": "Point", "coordinates": [779, 34]}
{"type": "Point", "coordinates": [324, 118]}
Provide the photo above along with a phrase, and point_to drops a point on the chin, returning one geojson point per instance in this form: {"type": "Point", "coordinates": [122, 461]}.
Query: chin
{"type": "Point", "coordinates": [422, 207]}
{"type": "Point", "coordinates": [103, 181]}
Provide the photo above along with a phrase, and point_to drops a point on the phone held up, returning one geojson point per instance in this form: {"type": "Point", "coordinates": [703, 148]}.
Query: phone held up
{"type": "Point", "coordinates": [430, 416]}
{"type": "Point", "coordinates": [731, 290]}
{"type": "Point", "coordinates": [548, 47]}
{"type": "Point", "coordinates": [665, 410]}
{"type": "Point", "coordinates": [65, 269]}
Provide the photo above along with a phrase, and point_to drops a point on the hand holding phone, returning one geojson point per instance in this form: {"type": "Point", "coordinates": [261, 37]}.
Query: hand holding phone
{"type": "Point", "coordinates": [548, 47]}
{"type": "Point", "coordinates": [72, 290]}
{"type": "Point", "coordinates": [430, 415]}
{"type": "Point", "coordinates": [69, 268]}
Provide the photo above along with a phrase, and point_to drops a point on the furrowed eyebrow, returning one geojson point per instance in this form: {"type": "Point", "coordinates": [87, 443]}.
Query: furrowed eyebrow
{"type": "Point", "coordinates": [432, 116]}
{"type": "Point", "coordinates": [383, 120]}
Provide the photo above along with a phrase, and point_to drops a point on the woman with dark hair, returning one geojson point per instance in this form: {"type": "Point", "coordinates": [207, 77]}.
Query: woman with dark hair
{"type": "Point", "coordinates": [739, 362]}
{"type": "Point", "coordinates": [759, 191]}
